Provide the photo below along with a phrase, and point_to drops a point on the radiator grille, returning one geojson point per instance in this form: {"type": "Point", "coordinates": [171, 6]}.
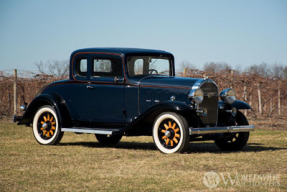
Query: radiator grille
{"type": "Point", "coordinates": [210, 102]}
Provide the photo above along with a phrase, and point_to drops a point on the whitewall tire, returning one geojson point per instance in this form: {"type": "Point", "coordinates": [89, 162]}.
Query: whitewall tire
{"type": "Point", "coordinates": [46, 126]}
{"type": "Point", "coordinates": [170, 133]}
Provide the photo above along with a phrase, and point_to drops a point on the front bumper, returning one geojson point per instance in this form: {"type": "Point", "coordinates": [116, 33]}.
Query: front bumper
{"type": "Point", "coordinates": [214, 130]}
{"type": "Point", "coordinates": [16, 118]}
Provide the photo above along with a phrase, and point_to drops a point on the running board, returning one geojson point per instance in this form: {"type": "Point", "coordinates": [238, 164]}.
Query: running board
{"type": "Point", "coordinates": [100, 131]}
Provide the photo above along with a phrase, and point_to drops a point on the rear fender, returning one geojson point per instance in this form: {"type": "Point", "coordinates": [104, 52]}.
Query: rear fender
{"type": "Point", "coordinates": [47, 99]}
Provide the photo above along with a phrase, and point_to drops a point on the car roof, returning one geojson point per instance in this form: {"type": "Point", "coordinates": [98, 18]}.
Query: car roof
{"type": "Point", "coordinates": [120, 50]}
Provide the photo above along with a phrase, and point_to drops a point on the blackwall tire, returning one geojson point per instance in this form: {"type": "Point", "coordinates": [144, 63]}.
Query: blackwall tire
{"type": "Point", "coordinates": [234, 141]}
{"type": "Point", "coordinates": [170, 133]}
{"type": "Point", "coordinates": [108, 140]}
{"type": "Point", "coordinates": [46, 126]}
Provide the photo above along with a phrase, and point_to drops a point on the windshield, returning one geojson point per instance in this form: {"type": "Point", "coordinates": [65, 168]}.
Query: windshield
{"type": "Point", "coordinates": [148, 65]}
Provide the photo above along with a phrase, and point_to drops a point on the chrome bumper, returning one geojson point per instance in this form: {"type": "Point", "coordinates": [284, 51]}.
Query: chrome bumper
{"type": "Point", "coordinates": [229, 129]}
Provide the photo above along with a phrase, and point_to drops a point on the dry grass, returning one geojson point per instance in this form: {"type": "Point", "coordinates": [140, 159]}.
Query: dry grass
{"type": "Point", "coordinates": [79, 163]}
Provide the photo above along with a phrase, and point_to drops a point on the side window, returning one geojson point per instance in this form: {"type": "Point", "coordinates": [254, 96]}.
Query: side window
{"type": "Point", "coordinates": [138, 67]}
{"type": "Point", "coordinates": [102, 65]}
{"type": "Point", "coordinates": [107, 67]}
{"type": "Point", "coordinates": [82, 67]}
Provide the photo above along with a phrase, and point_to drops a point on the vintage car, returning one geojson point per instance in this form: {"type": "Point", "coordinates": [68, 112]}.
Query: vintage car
{"type": "Point", "coordinates": [115, 92]}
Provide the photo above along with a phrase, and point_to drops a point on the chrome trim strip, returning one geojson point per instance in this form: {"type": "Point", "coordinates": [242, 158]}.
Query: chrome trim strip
{"type": "Point", "coordinates": [229, 129]}
{"type": "Point", "coordinates": [78, 130]}
{"type": "Point", "coordinates": [200, 82]}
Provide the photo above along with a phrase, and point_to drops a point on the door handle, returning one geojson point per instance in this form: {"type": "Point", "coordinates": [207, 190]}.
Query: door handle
{"type": "Point", "coordinates": [119, 79]}
{"type": "Point", "coordinates": [90, 87]}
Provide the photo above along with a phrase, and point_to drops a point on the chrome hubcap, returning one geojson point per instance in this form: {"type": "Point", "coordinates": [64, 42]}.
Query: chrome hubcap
{"type": "Point", "coordinates": [45, 125]}
{"type": "Point", "coordinates": [167, 133]}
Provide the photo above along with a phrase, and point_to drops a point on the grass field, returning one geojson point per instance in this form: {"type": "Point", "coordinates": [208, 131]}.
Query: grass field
{"type": "Point", "coordinates": [79, 163]}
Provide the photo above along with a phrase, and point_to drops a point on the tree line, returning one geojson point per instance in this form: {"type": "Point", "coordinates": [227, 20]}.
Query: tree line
{"type": "Point", "coordinates": [263, 86]}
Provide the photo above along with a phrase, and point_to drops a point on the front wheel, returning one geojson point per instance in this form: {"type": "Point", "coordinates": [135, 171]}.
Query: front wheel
{"type": "Point", "coordinates": [234, 141]}
{"type": "Point", "coordinates": [46, 126]}
{"type": "Point", "coordinates": [170, 133]}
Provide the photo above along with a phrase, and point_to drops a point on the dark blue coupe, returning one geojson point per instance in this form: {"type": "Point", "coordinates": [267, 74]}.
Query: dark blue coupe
{"type": "Point", "coordinates": [115, 92]}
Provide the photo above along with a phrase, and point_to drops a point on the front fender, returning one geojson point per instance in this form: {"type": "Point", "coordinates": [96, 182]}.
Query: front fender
{"type": "Point", "coordinates": [46, 99]}
{"type": "Point", "coordinates": [237, 104]}
{"type": "Point", "coordinates": [169, 106]}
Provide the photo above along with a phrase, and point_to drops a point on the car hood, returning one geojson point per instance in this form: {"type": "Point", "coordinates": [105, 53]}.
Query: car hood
{"type": "Point", "coordinates": [177, 82]}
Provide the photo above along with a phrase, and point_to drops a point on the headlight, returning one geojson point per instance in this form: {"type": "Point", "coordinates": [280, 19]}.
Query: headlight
{"type": "Point", "coordinates": [228, 95]}
{"type": "Point", "coordinates": [196, 95]}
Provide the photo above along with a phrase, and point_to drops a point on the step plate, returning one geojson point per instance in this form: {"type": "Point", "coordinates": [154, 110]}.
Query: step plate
{"type": "Point", "coordinates": [90, 130]}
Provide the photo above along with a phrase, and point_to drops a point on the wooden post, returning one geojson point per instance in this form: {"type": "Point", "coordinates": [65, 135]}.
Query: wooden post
{"type": "Point", "coordinates": [15, 91]}
{"type": "Point", "coordinates": [259, 100]}
{"type": "Point", "coordinates": [245, 97]}
{"type": "Point", "coordinates": [9, 102]}
{"type": "Point", "coordinates": [184, 72]}
{"type": "Point", "coordinates": [279, 104]}
{"type": "Point", "coordinates": [232, 78]}
{"type": "Point", "coordinates": [271, 107]}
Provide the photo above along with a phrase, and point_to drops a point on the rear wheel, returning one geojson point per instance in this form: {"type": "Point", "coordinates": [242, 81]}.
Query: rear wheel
{"type": "Point", "coordinates": [46, 126]}
{"type": "Point", "coordinates": [170, 133]}
{"type": "Point", "coordinates": [109, 139]}
{"type": "Point", "coordinates": [234, 141]}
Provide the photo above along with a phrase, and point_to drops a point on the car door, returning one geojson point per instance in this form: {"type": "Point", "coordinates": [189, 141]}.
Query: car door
{"type": "Point", "coordinates": [106, 90]}
{"type": "Point", "coordinates": [101, 100]}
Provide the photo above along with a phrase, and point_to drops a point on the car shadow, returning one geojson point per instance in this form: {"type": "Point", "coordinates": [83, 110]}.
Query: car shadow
{"type": "Point", "coordinates": [212, 148]}
{"type": "Point", "coordinates": [193, 147]}
{"type": "Point", "coordinates": [121, 145]}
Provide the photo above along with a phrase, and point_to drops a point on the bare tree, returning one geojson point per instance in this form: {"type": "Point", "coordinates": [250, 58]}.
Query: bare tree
{"type": "Point", "coordinates": [55, 68]}
{"type": "Point", "coordinates": [285, 72]}
{"type": "Point", "coordinates": [217, 67]}
{"type": "Point", "coordinates": [277, 71]}
{"type": "Point", "coordinates": [260, 70]}
{"type": "Point", "coordinates": [41, 67]}
{"type": "Point", "coordinates": [186, 64]}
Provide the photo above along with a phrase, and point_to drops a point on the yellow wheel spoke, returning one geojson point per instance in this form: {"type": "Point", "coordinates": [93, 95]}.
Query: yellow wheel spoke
{"type": "Point", "coordinates": [176, 130]}
{"type": "Point", "coordinates": [51, 118]}
{"type": "Point", "coordinates": [44, 132]}
{"type": "Point", "coordinates": [48, 134]}
{"type": "Point", "coordinates": [164, 137]}
{"type": "Point", "coordinates": [174, 124]}
{"type": "Point", "coordinates": [42, 122]}
{"type": "Point", "coordinates": [42, 129]}
{"type": "Point", "coordinates": [166, 142]}
{"type": "Point", "coordinates": [176, 135]}
{"type": "Point", "coordinates": [171, 142]}
{"type": "Point", "coordinates": [52, 133]}
{"type": "Point", "coordinates": [48, 117]}
{"type": "Point", "coordinates": [175, 140]}
{"type": "Point", "coordinates": [169, 124]}
{"type": "Point", "coordinates": [53, 128]}
{"type": "Point", "coordinates": [45, 119]}
{"type": "Point", "coordinates": [163, 131]}
{"type": "Point", "coordinates": [53, 123]}
{"type": "Point", "coordinates": [165, 125]}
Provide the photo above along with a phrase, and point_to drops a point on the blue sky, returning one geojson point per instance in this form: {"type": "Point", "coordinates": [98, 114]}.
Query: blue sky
{"type": "Point", "coordinates": [240, 33]}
